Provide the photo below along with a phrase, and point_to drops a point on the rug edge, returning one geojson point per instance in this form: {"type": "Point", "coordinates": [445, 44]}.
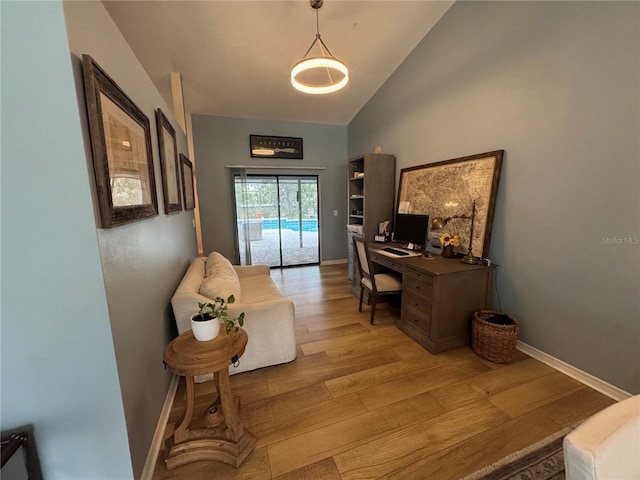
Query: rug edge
{"type": "Point", "coordinates": [478, 474]}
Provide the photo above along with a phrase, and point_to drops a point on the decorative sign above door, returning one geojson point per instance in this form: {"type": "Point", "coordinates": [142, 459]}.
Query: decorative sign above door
{"type": "Point", "coordinates": [275, 147]}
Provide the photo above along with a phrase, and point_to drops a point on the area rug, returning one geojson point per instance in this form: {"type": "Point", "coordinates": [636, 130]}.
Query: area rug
{"type": "Point", "coordinates": [543, 460]}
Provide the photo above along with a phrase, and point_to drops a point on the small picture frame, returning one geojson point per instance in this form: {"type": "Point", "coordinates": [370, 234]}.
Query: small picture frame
{"type": "Point", "coordinates": [168, 164]}
{"type": "Point", "coordinates": [121, 147]}
{"type": "Point", "coordinates": [275, 147]}
{"type": "Point", "coordinates": [187, 183]}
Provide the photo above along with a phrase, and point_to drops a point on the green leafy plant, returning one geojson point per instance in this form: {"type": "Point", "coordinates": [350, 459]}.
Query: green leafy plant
{"type": "Point", "coordinates": [218, 309]}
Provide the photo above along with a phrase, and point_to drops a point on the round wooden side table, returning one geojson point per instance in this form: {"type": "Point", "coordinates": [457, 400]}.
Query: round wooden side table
{"type": "Point", "coordinates": [220, 435]}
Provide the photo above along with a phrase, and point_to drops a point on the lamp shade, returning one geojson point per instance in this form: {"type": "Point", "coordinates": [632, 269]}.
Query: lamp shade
{"type": "Point", "coordinates": [319, 75]}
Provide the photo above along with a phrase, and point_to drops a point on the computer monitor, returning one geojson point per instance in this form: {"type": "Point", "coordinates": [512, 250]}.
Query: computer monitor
{"type": "Point", "coordinates": [412, 228]}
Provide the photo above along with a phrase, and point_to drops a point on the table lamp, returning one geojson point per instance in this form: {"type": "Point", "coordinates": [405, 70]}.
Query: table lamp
{"type": "Point", "coordinates": [438, 223]}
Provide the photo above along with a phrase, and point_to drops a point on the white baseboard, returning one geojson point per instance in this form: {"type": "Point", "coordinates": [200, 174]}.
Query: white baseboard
{"type": "Point", "coordinates": [333, 262]}
{"type": "Point", "coordinates": [158, 437]}
{"type": "Point", "coordinates": [589, 380]}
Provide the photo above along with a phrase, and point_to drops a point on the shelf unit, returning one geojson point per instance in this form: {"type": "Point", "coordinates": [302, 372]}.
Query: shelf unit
{"type": "Point", "coordinates": [370, 196]}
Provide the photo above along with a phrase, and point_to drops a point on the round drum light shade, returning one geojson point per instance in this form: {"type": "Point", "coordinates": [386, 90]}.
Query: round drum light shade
{"type": "Point", "coordinates": [319, 75]}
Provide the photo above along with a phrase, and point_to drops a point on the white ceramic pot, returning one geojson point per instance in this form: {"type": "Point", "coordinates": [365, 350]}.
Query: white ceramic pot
{"type": "Point", "coordinates": [205, 330]}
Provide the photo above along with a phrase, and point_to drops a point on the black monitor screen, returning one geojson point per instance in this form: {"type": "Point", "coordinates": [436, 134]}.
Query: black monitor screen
{"type": "Point", "coordinates": [411, 228]}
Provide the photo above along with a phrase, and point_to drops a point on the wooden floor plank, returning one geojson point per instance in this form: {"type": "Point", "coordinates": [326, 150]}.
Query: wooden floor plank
{"type": "Point", "coordinates": [325, 442]}
{"type": "Point", "coordinates": [366, 401]}
{"type": "Point", "coordinates": [401, 448]}
{"type": "Point", "coordinates": [480, 450]}
{"type": "Point", "coordinates": [535, 393]}
{"type": "Point", "coordinates": [423, 380]}
{"type": "Point", "coordinates": [282, 427]}
{"type": "Point", "coordinates": [323, 470]}
{"type": "Point", "coordinates": [322, 373]}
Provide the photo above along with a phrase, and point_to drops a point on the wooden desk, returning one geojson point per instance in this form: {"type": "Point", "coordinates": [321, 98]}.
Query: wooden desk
{"type": "Point", "coordinates": [439, 297]}
{"type": "Point", "coordinates": [222, 435]}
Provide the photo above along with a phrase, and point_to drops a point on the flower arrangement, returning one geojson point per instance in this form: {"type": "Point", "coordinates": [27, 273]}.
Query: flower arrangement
{"type": "Point", "coordinates": [446, 239]}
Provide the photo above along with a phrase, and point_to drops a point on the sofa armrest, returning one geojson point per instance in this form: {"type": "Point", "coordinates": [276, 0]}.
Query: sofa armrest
{"type": "Point", "coordinates": [606, 445]}
{"type": "Point", "coordinates": [251, 270]}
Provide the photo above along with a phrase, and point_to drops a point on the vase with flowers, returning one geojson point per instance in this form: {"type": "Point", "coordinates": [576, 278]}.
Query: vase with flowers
{"type": "Point", "coordinates": [449, 241]}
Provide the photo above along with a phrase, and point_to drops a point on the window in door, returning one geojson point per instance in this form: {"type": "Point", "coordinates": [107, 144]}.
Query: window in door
{"type": "Point", "coordinates": [277, 219]}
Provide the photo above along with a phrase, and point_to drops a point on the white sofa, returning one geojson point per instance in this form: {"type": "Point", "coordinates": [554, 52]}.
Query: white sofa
{"type": "Point", "coordinates": [607, 445]}
{"type": "Point", "coordinates": [269, 317]}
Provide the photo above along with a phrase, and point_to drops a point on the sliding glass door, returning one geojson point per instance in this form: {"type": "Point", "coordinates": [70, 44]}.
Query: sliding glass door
{"type": "Point", "coordinates": [277, 219]}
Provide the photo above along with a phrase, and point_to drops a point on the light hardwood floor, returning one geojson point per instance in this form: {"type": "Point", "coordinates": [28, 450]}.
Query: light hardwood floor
{"type": "Point", "coordinates": [366, 402]}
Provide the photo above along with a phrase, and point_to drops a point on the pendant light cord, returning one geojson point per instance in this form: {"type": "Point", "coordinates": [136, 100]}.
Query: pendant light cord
{"type": "Point", "coordinates": [318, 38]}
{"type": "Point", "coordinates": [325, 61]}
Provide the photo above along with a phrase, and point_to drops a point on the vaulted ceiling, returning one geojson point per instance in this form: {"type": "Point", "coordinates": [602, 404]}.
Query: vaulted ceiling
{"type": "Point", "coordinates": [235, 57]}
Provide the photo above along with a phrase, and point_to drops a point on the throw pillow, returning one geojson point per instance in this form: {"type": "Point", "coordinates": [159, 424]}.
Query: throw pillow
{"type": "Point", "coordinates": [221, 278]}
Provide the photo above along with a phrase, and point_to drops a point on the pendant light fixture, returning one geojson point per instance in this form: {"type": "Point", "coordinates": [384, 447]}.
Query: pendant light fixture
{"type": "Point", "coordinates": [319, 74]}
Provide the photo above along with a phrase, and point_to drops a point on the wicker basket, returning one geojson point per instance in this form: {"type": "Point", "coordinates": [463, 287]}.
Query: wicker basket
{"type": "Point", "coordinates": [493, 341]}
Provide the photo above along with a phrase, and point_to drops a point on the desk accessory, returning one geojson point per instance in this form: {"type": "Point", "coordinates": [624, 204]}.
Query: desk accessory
{"type": "Point", "coordinates": [469, 258]}
{"type": "Point", "coordinates": [439, 223]}
{"type": "Point", "coordinates": [383, 234]}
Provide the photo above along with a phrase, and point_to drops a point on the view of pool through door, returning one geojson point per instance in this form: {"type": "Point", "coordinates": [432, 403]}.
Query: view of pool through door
{"type": "Point", "coordinates": [277, 219]}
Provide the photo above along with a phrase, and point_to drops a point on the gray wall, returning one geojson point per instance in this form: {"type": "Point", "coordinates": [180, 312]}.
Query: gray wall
{"type": "Point", "coordinates": [84, 365]}
{"type": "Point", "coordinates": [58, 361]}
{"type": "Point", "coordinates": [221, 141]}
{"type": "Point", "coordinates": [556, 85]}
{"type": "Point", "coordinates": [142, 262]}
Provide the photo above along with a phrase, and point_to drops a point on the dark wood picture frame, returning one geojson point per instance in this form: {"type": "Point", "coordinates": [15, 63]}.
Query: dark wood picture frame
{"type": "Point", "coordinates": [275, 147]}
{"type": "Point", "coordinates": [448, 188]}
{"type": "Point", "coordinates": [187, 183]}
{"type": "Point", "coordinates": [121, 146]}
{"type": "Point", "coordinates": [168, 164]}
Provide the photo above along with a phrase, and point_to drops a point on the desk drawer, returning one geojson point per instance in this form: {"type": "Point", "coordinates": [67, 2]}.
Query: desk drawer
{"type": "Point", "coordinates": [418, 286]}
{"type": "Point", "coordinates": [420, 305]}
{"type": "Point", "coordinates": [419, 276]}
{"type": "Point", "coordinates": [418, 313]}
{"type": "Point", "coordinates": [385, 261]}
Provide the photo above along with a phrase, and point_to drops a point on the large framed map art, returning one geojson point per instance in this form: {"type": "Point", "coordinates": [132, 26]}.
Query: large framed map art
{"type": "Point", "coordinates": [447, 190]}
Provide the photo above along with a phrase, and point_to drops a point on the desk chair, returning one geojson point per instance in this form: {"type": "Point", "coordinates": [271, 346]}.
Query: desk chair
{"type": "Point", "coordinates": [375, 283]}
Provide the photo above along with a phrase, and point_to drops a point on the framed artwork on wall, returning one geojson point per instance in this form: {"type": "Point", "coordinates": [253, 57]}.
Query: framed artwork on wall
{"type": "Point", "coordinates": [187, 183]}
{"type": "Point", "coordinates": [275, 147]}
{"type": "Point", "coordinates": [168, 164]}
{"type": "Point", "coordinates": [121, 147]}
{"type": "Point", "coordinates": [453, 191]}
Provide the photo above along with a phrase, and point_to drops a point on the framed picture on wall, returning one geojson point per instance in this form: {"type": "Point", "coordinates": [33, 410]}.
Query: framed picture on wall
{"type": "Point", "coordinates": [121, 147]}
{"type": "Point", "coordinates": [187, 183]}
{"type": "Point", "coordinates": [452, 191]}
{"type": "Point", "coordinates": [168, 164]}
{"type": "Point", "coordinates": [275, 147]}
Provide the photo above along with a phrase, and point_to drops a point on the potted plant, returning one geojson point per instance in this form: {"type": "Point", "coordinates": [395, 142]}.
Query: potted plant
{"type": "Point", "coordinates": [449, 241]}
{"type": "Point", "coordinates": [206, 323]}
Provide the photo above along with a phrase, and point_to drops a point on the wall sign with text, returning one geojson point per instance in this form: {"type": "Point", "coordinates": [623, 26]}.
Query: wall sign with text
{"type": "Point", "coordinates": [275, 147]}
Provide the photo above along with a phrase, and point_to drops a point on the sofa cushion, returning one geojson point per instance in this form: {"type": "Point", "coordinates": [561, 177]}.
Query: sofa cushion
{"type": "Point", "coordinates": [259, 289]}
{"type": "Point", "coordinates": [221, 279]}
{"type": "Point", "coordinates": [214, 261]}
